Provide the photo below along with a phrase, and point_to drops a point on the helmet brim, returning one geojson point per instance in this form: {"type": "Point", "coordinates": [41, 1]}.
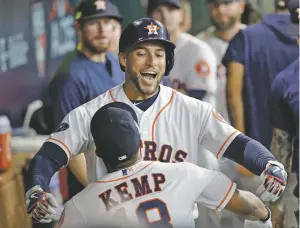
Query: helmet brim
{"type": "Point", "coordinates": [167, 44]}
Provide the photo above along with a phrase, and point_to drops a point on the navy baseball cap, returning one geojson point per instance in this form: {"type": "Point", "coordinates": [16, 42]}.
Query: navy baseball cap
{"type": "Point", "coordinates": [293, 6]}
{"type": "Point", "coordinates": [153, 4]}
{"type": "Point", "coordinates": [116, 134]}
{"type": "Point", "coordinates": [91, 9]}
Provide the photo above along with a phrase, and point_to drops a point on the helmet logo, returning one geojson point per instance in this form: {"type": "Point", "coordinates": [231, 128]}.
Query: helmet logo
{"type": "Point", "coordinates": [100, 4]}
{"type": "Point", "coordinates": [152, 29]}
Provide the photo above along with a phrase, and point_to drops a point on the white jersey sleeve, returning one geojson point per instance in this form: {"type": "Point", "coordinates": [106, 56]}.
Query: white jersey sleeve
{"type": "Point", "coordinates": [216, 134]}
{"type": "Point", "coordinates": [204, 71]}
{"type": "Point", "coordinates": [71, 217]}
{"type": "Point", "coordinates": [72, 135]}
{"type": "Point", "coordinates": [209, 188]}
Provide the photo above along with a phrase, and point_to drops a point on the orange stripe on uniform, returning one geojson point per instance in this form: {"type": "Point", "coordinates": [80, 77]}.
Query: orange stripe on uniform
{"type": "Point", "coordinates": [61, 143]}
{"type": "Point", "coordinates": [122, 178]}
{"type": "Point", "coordinates": [225, 143]}
{"type": "Point", "coordinates": [112, 97]}
{"type": "Point", "coordinates": [229, 190]}
{"type": "Point", "coordinates": [154, 122]}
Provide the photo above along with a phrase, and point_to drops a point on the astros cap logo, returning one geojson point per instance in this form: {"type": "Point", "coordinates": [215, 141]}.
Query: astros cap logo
{"type": "Point", "coordinates": [152, 29]}
{"type": "Point", "coordinates": [100, 4]}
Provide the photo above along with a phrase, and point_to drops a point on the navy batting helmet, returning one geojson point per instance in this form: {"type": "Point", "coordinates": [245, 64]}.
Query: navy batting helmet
{"type": "Point", "coordinates": [148, 29]}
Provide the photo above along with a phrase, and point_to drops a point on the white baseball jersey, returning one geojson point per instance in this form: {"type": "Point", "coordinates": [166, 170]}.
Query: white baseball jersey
{"type": "Point", "coordinates": [146, 193]}
{"type": "Point", "coordinates": [195, 67]}
{"type": "Point", "coordinates": [172, 129]}
{"type": "Point", "coordinates": [219, 48]}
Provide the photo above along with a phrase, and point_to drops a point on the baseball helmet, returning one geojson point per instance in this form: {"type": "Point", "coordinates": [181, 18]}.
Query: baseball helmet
{"type": "Point", "coordinates": [91, 9]}
{"type": "Point", "coordinates": [148, 29]}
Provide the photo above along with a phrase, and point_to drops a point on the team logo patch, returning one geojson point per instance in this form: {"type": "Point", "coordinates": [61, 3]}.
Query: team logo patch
{"type": "Point", "coordinates": [202, 68]}
{"type": "Point", "coordinates": [100, 4]}
{"type": "Point", "coordinates": [62, 127]}
{"type": "Point", "coordinates": [152, 29]}
{"type": "Point", "coordinates": [219, 117]}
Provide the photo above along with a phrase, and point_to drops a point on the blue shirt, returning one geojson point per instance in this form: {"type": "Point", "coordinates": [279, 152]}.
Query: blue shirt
{"type": "Point", "coordinates": [264, 49]}
{"type": "Point", "coordinates": [284, 105]}
{"type": "Point", "coordinates": [79, 80]}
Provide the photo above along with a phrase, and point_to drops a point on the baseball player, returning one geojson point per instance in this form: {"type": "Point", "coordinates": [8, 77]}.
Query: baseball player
{"type": "Point", "coordinates": [144, 193]}
{"type": "Point", "coordinates": [194, 71]}
{"type": "Point", "coordinates": [173, 126]}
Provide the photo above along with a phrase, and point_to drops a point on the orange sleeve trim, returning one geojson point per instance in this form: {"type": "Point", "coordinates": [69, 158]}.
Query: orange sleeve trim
{"type": "Point", "coordinates": [229, 190]}
{"type": "Point", "coordinates": [122, 178]}
{"type": "Point", "coordinates": [155, 120]}
{"type": "Point", "coordinates": [225, 143]}
{"type": "Point", "coordinates": [62, 144]}
{"type": "Point", "coordinates": [111, 95]}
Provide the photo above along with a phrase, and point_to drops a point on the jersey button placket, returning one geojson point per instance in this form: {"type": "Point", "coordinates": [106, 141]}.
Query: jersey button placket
{"type": "Point", "coordinates": [143, 125]}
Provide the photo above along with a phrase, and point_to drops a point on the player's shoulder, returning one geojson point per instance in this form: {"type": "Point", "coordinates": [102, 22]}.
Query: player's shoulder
{"type": "Point", "coordinates": [89, 108]}
{"type": "Point", "coordinates": [190, 104]}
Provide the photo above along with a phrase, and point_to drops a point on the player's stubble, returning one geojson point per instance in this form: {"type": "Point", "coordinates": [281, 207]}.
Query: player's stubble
{"type": "Point", "coordinates": [96, 45]}
{"type": "Point", "coordinates": [225, 25]}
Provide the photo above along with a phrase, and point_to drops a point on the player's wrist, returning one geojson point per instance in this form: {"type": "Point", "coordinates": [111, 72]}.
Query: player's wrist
{"type": "Point", "coordinates": [33, 189]}
{"type": "Point", "coordinates": [266, 216]}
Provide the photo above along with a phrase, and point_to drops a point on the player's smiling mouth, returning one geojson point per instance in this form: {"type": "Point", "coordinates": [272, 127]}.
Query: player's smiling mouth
{"type": "Point", "coordinates": [149, 74]}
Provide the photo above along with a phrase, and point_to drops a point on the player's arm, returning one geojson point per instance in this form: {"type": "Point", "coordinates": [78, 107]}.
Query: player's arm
{"type": "Point", "coordinates": [77, 166]}
{"type": "Point", "coordinates": [69, 138]}
{"type": "Point", "coordinates": [234, 63]}
{"type": "Point", "coordinates": [223, 140]}
{"type": "Point", "coordinates": [216, 191]}
{"type": "Point", "coordinates": [71, 217]}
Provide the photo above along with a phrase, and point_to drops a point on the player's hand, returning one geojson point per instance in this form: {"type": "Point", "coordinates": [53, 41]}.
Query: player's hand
{"type": "Point", "coordinates": [40, 205]}
{"type": "Point", "coordinates": [258, 224]}
{"type": "Point", "coordinates": [274, 179]}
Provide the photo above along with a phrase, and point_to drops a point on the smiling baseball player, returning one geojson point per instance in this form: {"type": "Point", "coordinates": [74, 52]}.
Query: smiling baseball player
{"type": "Point", "coordinates": [173, 126]}
{"type": "Point", "coordinates": [138, 193]}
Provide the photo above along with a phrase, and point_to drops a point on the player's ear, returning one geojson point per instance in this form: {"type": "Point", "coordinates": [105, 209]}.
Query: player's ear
{"type": "Point", "coordinates": [122, 59]}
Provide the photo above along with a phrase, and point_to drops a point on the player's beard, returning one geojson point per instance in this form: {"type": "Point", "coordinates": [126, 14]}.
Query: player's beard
{"type": "Point", "coordinates": [94, 48]}
{"type": "Point", "coordinates": [224, 26]}
{"type": "Point", "coordinates": [147, 90]}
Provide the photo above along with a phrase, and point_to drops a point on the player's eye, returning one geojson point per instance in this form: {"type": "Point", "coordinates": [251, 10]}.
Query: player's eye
{"type": "Point", "coordinates": [141, 54]}
{"type": "Point", "coordinates": [160, 55]}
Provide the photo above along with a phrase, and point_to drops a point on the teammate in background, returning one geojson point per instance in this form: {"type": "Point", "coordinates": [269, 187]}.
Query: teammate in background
{"type": "Point", "coordinates": [284, 106]}
{"type": "Point", "coordinates": [226, 21]}
{"type": "Point", "coordinates": [173, 126]}
{"type": "Point", "coordinates": [138, 193]}
{"type": "Point", "coordinates": [254, 57]}
{"type": "Point", "coordinates": [194, 71]}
